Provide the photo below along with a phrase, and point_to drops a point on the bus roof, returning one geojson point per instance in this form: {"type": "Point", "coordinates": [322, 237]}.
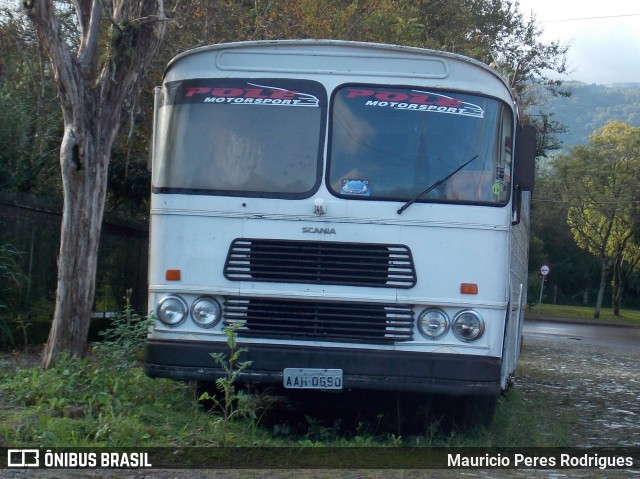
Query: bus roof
{"type": "Point", "coordinates": [371, 62]}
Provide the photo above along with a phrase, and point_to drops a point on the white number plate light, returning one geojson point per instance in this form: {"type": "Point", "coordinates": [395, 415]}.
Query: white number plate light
{"type": "Point", "coordinates": [306, 378]}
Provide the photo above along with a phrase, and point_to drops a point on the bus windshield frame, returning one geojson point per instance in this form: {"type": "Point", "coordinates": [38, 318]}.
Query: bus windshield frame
{"type": "Point", "coordinates": [241, 137]}
{"type": "Point", "coordinates": [390, 143]}
{"type": "Point", "coordinates": [265, 138]}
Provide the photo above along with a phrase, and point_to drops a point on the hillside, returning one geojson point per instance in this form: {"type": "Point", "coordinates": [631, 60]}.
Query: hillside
{"type": "Point", "coordinates": [591, 106]}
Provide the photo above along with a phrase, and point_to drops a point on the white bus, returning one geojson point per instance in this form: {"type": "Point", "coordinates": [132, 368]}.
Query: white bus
{"type": "Point", "coordinates": [358, 211]}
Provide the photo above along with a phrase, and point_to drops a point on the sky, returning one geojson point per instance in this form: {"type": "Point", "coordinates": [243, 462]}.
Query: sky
{"type": "Point", "coordinates": [604, 36]}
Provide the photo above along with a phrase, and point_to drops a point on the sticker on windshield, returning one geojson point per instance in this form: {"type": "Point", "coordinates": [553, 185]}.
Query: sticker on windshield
{"type": "Point", "coordinates": [247, 94]}
{"type": "Point", "coordinates": [503, 173]}
{"type": "Point", "coordinates": [355, 187]}
{"type": "Point", "coordinates": [415, 100]}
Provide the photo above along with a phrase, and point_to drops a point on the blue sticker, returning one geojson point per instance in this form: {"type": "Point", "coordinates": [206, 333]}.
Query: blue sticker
{"type": "Point", "coordinates": [355, 187]}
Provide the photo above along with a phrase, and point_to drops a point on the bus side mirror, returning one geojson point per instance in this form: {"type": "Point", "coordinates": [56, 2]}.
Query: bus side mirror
{"type": "Point", "coordinates": [524, 174]}
{"type": "Point", "coordinates": [525, 159]}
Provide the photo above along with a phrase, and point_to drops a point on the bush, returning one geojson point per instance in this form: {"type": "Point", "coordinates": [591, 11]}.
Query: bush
{"type": "Point", "coordinates": [11, 278]}
{"type": "Point", "coordinates": [124, 340]}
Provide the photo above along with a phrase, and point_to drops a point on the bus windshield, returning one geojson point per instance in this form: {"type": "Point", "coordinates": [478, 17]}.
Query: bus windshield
{"type": "Point", "coordinates": [258, 137]}
{"type": "Point", "coordinates": [394, 143]}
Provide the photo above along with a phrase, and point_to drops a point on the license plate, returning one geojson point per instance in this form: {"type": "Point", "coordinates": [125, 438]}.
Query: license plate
{"type": "Point", "coordinates": [307, 378]}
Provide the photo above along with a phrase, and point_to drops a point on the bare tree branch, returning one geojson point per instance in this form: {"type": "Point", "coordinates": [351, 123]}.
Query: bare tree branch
{"type": "Point", "coordinates": [64, 66]}
{"type": "Point", "coordinates": [89, 15]}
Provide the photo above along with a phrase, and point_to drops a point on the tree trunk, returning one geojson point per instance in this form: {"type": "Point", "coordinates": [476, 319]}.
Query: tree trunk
{"type": "Point", "coordinates": [84, 189]}
{"type": "Point", "coordinates": [617, 285]}
{"type": "Point", "coordinates": [604, 272]}
{"type": "Point", "coordinates": [93, 86]}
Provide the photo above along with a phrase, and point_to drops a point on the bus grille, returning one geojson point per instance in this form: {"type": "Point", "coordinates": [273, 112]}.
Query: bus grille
{"type": "Point", "coordinates": [320, 320]}
{"type": "Point", "coordinates": [320, 262]}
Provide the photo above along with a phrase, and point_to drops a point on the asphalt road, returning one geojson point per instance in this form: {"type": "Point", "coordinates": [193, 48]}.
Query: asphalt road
{"type": "Point", "coordinates": [592, 334]}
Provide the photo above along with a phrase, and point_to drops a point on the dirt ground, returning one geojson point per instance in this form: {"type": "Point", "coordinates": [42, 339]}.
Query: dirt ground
{"type": "Point", "coordinates": [601, 384]}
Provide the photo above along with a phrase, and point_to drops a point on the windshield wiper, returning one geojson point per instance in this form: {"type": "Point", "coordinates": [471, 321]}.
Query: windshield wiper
{"type": "Point", "coordinates": [434, 186]}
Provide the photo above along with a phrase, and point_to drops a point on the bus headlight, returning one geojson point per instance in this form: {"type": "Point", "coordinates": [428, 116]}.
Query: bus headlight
{"type": "Point", "coordinates": [468, 325]}
{"type": "Point", "coordinates": [433, 323]}
{"type": "Point", "coordinates": [206, 312]}
{"type": "Point", "coordinates": [172, 310]}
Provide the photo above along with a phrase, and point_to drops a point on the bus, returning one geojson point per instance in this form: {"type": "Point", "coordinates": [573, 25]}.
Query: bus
{"type": "Point", "coordinates": [356, 213]}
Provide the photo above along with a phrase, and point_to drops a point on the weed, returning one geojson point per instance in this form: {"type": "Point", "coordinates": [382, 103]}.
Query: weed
{"type": "Point", "coordinates": [22, 326]}
{"type": "Point", "coordinates": [395, 441]}
{"type": "Point", "coordinates": [124, 341]}
{"type": "Point", "coordinates": [319, 432]}
{"type": "Point", "coordinates": [227, 384]}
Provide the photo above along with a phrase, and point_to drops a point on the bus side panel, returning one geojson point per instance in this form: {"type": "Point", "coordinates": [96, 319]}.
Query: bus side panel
{"type": "Point", "coordinates": [519, 256]}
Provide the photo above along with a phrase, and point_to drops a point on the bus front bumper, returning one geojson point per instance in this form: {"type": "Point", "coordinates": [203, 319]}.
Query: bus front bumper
{"type": "Point", "coordinates": [453, 374]}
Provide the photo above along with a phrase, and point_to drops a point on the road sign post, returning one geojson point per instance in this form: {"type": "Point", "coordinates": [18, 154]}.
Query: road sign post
{"type": "Point", "coordinates": [544, 271]}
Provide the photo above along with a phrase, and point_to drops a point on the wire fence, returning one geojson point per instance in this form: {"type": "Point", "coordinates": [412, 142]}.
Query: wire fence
{"type": "Point", "coordinates": [32, 227]}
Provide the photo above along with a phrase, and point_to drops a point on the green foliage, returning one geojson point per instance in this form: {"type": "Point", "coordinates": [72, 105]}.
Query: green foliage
{"type": "Point", "coordinates": [6, 335]}
{"type": "Point", "coordinates": [227, 384]}
{"type": "Point", "coordinates": [490, 31]}
{"type": "Point", "coordinates": [106, 299]}
{"type": "Point", "coordinates": [129, 178]}
{"type": "Point", "coordinates": [82, 402]}
{"type": "Point", "coordinates": [581, 313]}
{"type": "Point", "coordinates": [78, 387]}
{"type": "Point", "coordinates": [11, 278]}
{"type": "Point", "coordinates": [30, 117]}
{"type": "Point", "coordinates": [124, 340]}
{"type": "Point", "coordinates": [573, 272]}
{"type": "Point", "coordinates": [317, 431]}
{"type": "Point", "coordinates": [599, 185]}
{"type": "Point", "coordinates": [515, 426]}
{"type": "Point", "coordinates": [89, 402]}
{"type": "Point", "coordinates": [31, 122]}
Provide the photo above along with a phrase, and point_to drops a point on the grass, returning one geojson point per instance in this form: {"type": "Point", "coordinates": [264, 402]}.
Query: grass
{"type": "Point", "coordinates": [100, 402]}
{"type": "Point", "coordinates": [627, 316]}
{"type": "Point", "coordinates": [107, 400]}
{"type": "Point", "coordinates": [96, 403]}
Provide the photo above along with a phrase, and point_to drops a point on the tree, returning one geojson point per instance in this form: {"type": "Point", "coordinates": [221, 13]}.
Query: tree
{"type": "Point", "coordinates": [30, 120]}
{"type": "Point", "coordinates": [492, 31]}
{"type": "Point", "coordinates": [99, 51]}
{"type": "Point", "coordinates": [573, 273]}
{"type": "Point", "coordinates": [599, 183]}
{"type": "Point", "coordinates": [97, 68]}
